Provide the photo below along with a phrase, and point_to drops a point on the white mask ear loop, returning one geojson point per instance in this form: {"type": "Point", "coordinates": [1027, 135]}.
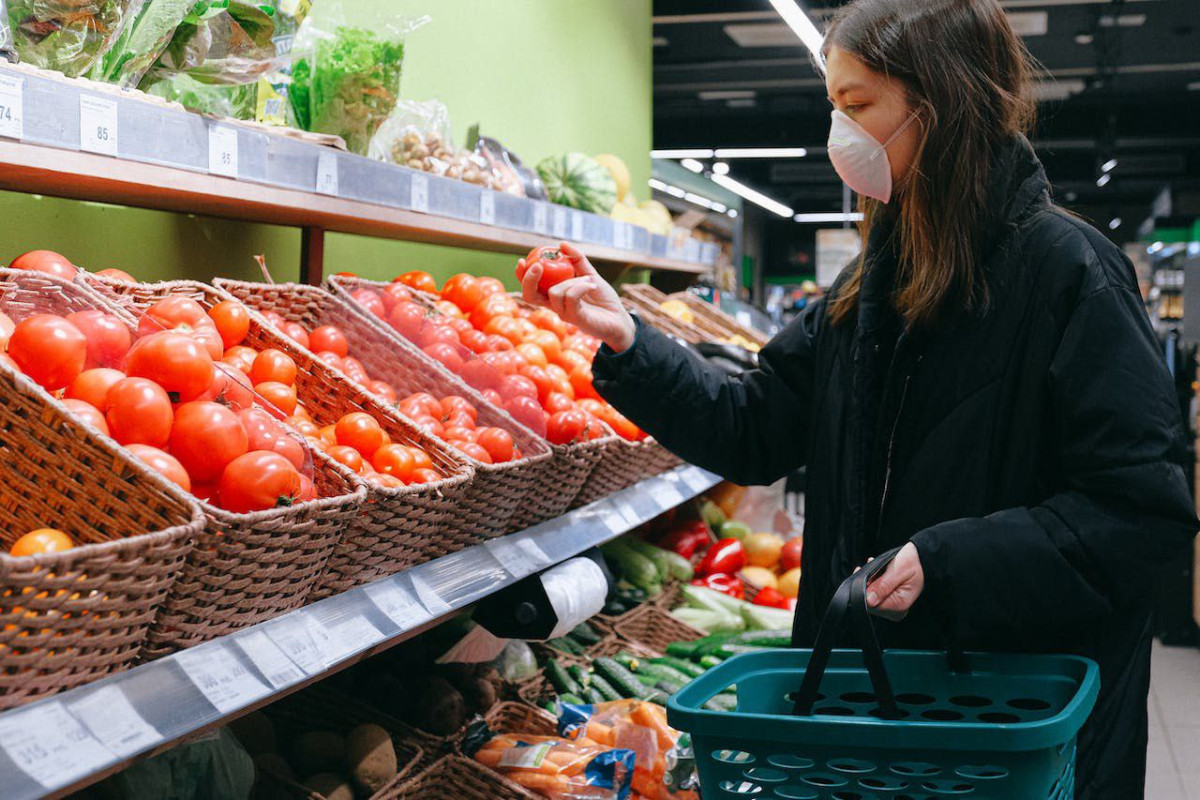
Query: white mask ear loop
{"type": "Point", "coordinates": [908, 122]}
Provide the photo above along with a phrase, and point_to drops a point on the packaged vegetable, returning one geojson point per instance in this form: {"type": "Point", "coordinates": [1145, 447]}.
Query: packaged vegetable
{"type": "Point", "coordinates": [517, 662]}
{"type": "Point", "coordinates": [512, 176]}
{"type": "Point", "coordinates": [418, 135]}
{"type": "Point", "coordinates": [553, 767]}
{"type": "Point", "coordinates": [141, 41]}
{"type": "Point", "coordinates": [6, 42]}
{"type": "Point", "coordinates": [224, 42]}
{"type": "Point", "coordinates": [579, 182]}
{"type": "Point", "coordinates": [66, 35]}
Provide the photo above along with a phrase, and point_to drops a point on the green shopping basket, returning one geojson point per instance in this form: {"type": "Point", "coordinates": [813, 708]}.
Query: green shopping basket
{"type": "Point", "coordinates": [905, 725]}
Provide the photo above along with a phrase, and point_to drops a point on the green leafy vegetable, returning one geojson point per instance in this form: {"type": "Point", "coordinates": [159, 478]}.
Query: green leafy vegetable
{"type": "Point", "coordinates": [66, 35]}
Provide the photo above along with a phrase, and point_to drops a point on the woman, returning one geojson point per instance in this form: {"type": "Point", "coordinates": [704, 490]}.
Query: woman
{"type": "Point", "coordinates": [982, 387]}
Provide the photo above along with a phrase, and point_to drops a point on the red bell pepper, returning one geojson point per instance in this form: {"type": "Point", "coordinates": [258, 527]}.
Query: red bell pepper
{"type": "Point", "coordinates": [772, 598]}
{"type": "Point", "coordinates": [724, 583]}
{"type": "Point", "coordinates": [687, 540]}
{"type": "Point", "coordinates": [727, 555]}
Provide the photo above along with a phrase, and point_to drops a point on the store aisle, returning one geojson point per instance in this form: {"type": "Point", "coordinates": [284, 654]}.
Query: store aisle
{"type": "Point", "coordinates": [1173, 762]}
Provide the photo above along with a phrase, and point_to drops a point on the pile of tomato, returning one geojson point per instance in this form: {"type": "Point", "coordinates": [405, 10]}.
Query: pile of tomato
{"type": "Point", "coordinates": [527, 361]}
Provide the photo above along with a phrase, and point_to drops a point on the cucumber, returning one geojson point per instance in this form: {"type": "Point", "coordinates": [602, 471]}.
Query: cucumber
{"type": "Point", "coordinates": [731, 650]}
{"type": "Point", "coordinates": [582, 677]}
{"type": "Point", "coordinates": [663, 673]}
{"type": "Point", "coordinates": [633, 566]}
{"type": "Point", "coordinates": [713, 644]}
{"type": "Point", "coordinates": [683, 649]}
{"type": "Point", "coordinates": [621, 679]}
{"type": "Point", "coordinates": [565, 645]}
{"type": "Point", "coordinates": [686, 667]}
{"type": "Point", "coordinates": [552, 706]}
{"type": "Point", "coordinates": [778, 638]}
{"type": "Point", "coordinates": [628, 661]}
{"type": "Point", "coordinates": [573, 699]}
{"type": "Point", "coordinates": [593, 696]}
{"type": "Point", "coordinates": [657, 696]}
{"type": "Point", "coordinates": [670, 565]}
{"type": "Point", "coordinates": [601, 685]}
{"type": "Point", "coordinates": [708, 662]}
{"type": "Point", "coordinates": [585, 634]}
{"type": "Point", "coordinates": [560, 679]}
{"type": "Point", "coordinates": [667, 687]}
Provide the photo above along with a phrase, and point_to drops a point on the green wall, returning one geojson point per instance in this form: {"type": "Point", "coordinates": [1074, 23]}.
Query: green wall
{"type": "Point", "coordinates": [542, 76]}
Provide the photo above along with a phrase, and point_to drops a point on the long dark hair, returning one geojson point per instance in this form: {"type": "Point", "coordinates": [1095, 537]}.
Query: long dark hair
{"type": "Point", "coordinates": [969, 77]}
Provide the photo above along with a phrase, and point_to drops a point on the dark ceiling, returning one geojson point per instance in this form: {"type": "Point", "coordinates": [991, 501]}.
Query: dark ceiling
{"type": "Point", "coordinates": [1123, 79]}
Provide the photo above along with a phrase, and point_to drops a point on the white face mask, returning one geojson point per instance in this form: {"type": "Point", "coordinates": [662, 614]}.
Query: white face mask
{"type": "Point", "coordinates": [860, 159]}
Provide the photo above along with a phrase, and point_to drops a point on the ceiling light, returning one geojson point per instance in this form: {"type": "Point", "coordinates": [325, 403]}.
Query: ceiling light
{"type": "Point", "coordinates": [732, 213]}
{"type": "Point", "coordinates": [760, 152]}
{"type": "Point", "coordinates": [1029, 23]}
{"type": "Point", "coordinates": [756, 197]}
{"type": "Point", "coordinates": [720, 208]}
{"type": "Point", "coordinates": [1114, 223]}
{"type": "Point", "coordinates": [745, 102]}
{"type": "Point", "coordinates": [694, 153]}
{"type": "Point", "coordinates": [1123, 21]}
{"type": "Point", "coordinates": [660, 41]}
{"type": "Point", "coordinates": [728, 94]}
{"type": "Point", "coordinates": [721, 168]}
{"type": "Point", "coordinates": [853, 217]}
{"type": "Point", "coordinates": [1084, 38]}
{"type": "Point", "coordinates": [1194, 86]}
{"type": "Point", "coordinates": [1103, 180]}
{"type": "Point", "coordinates": [693, 165]}
{"type": "Point", "coordinates": [803, 27]}
{"type": "Point", "coordinates": [1109, 165]}
{"type": "Point", "coordinates": [683, 194]}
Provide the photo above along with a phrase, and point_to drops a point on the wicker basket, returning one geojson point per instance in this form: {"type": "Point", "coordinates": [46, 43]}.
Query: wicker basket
{"type": "Point", "coordinates": [70, 618]}
{"type": "Point", "coordinates": [459, 778]}
{"type": "Point", "coordinates": [625, 463]}
{"type": "Point", "coordinates": [651, 315]}
{"type": "Point", "coordinates": [322, 709]}
{"type": "Point", "coordinates": [487, 506]}
{"type": "Point", "coordinates": [562, 477]}
{"type": "Point", "coordinates": [712, 319]}
{"type": "Point", "coordinates": [538, 690]}
{"type": "Point", "coordinates": [654, 628]}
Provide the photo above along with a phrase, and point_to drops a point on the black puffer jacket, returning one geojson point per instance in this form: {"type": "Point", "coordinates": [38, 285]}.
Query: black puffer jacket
{"type": "Point", "coordinates": [1031, 452]}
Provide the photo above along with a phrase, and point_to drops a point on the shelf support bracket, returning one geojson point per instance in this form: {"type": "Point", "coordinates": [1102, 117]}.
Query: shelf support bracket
{"type": "Point", "coordinates": [312, 255]}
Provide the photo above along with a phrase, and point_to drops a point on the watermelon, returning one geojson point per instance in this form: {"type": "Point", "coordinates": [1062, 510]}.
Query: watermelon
{"type": "Point", "coordinates": [578, 181]}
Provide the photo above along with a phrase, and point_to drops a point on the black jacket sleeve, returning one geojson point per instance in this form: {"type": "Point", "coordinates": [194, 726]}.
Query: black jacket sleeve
{"type": "Point", "coordinates": [749, 428]}
{"type": "Point", "coordinates": [1093, 547]}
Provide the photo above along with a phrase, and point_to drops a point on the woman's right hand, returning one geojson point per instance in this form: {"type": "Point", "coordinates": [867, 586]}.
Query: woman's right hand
{"type": "Point", "coordinates": [587, 301]}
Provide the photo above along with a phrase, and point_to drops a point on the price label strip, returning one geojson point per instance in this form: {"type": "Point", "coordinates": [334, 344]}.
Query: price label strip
{"type": "Point", "coordinates": [112, 719]}
{"type": "Point", "coordinates": [487, 207]}
{"type": "Point", "coordinates": [696, 480]}
{"type": "Point", "coordinates": [271, 661]}
{"type": "Point", "coordinates": [327, 174]}
{"type": "Point", "coordinates": [432, 601]}
{"type": "Point", "coordinates": [541, 218]}
{"type": "Point", "coordinates": [12, 106]}
{"type": "Point", "coordinates": [621, 236]}
{"type": "Point", "coordinates": [51, 746]}
{"type": "Point", "coordinates": [98, 131]}
{"type": "Point", "coordinates": [560, 223]}
{"type": "Point", "coordinates": [613, 519]}
{"type": "Point", "coordinates": [220, 676]}
{"type": "Point", "coordinates": [419, 194]}
{"type": "Point", "coordinates": [576, 227]}
{"type": "Point", "coordinates": [398, 604]}
{"type": "Point", "coordinates": [519, 557]}
{"type": "Point", "coordinates": [339, 640]}
{"type": "Point", "coordinates": [223, 151]}
{"type": "Point", "coordinates": [667, 493]}
{"type": "Point", "coordinates": [294, 637]}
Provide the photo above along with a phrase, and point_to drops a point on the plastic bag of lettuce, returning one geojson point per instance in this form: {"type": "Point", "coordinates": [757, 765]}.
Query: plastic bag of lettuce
{"type": "Point", "coordinates": [67, 35]}
{"type": "Point", "coordinates": [351, 81]}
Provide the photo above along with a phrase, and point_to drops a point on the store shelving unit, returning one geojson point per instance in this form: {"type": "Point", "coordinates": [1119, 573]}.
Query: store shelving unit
{"type": "Point", "coordinates": [75, 738]}
{"type": "Point", "coordinates": [153, 155]}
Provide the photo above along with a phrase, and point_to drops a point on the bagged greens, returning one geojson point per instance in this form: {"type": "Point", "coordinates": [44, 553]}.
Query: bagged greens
{"type": "Point", "coordinates": [226, 42]}
{"type": "Point", "coordinates": [66, 35]}
{"type": "Point", "coordinates": [6, 45]}
{"type": "Point", "coordinates": [141, 42]}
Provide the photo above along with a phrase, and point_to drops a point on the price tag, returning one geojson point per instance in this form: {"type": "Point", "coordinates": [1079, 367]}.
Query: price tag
{"type": "Point", "coordinates": [613, 520]}
{"type": "Point", "coordinates": [327, 174]}
{"type": "Point", "coordinates": [541, 218]}
{"type": "Point", "coordinates": [110, 717]}
{"type": "Point", "coordinates": [270, 659]}
{"type": "Point", "coordinates": [519, 557]}
{"type": "Point", "coordinates": [668, 494]}
{"type": "Point", "coordinates": [98, 125]}
{"type": "Point", "coordinates": [223, 151]}
{"type": "Point", "coordinates": [696, 480]}
{"type": "Point", "coordinates": [12, 105]}
{"type": "Point", "coordinates": [340, 640]}
{"type": "Point", "coordinates": [432, 601]}
{"type": "Point", "coordinates": [419, 194]}
{"type": "Point", "coordinates": [50, 746]}
{"type": "Point", "coordinates": [295, 639]}
{"type": "Point", "coordinates": [399, 606]}
{"type": "Point", "coordinates": [620, 236]}
{"type": "Point", "coordinates": [220, 676]}
{"type": "Point", "coordinates": [577, 227]}
{"type": "Point", "coordinates": [560, 223]}
{"type": "Point", "coordinates": [487, 207]}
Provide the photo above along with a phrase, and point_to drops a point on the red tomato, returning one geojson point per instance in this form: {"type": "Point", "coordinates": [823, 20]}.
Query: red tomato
{"type": "Point", "coordinates": [526, 411]}
{"type": "Point", "coordinates": [371, 301]}
{"type": "Point", "coordinates": [138, 411]}
{"type": "Point", "coordinates": [425, 476]}
{"type": "Point", "coordinates": [305, 427]}
{"type": "Point", "coordinates": [88, 413]}
{"type": "Point", "coordinates": [354, 370]}
{"type": "Point", "coordinates": [328, 338]}
{"type": "Point", "coordinates": [581, 383]}
{"type": "Point", "coordinates": [176, 313]}
{"type": "Point", "coordinates": [546, 319]}
{"type": "Point", "coordinates": [205, 437]}
{"type": "Point", "coordinates": [453, 404]}
{"type": "Point", "coordinates": [498, 344]}
{"type": "Point", "coordinates": [92, 386]}
{"type": "Point", "coordinates": [506, 326]}
{"type": "Point", "coordinates": [175, 361]}
{"type": "Point", "coordinates": [241, 357]}
{"type": "Point", "coordinates": [275, 319]}
{"type": "Point", "coordinates": [116, 275]}
{"type": "Point", "coordinates": [257, 481]}
{"type": "Point", "coordinates": [279, 395]}
{"type": "Point", "coordinates": [438, 334]}
{"type": "Point", "coordinates": [420, 458]}
{"type": "Point", "coordinates": [460, 433]}
{"type": "Point", "coordinates": [557, 401]}
{"type": "Point", "coordinates": [566, 426]}
{"type": "Point", "coordinates": [475, 341]}
{"type": "Point", "coordinates": [387, 481]}
{"type": "Point", "coordinates": [6, 329]}
{"type": "Point", "coordinates": [571, 360]}
{"type": "Point", "coordinates": [498, 305]}
{"type": "Point", "coordinates": [446, 354]}
{"type": "Point", "coordinates": [533, 354]}
{"type": "Point", "coordinates": [232, 321]}
{"type": "Point", "coordinates": [416, 279]}
{"type": "Point", "coordinates": [395, 295]}
{"type": "Point", "coordinates": [475, 451]}
{"type": "Point", "coordinates": [333, 360]}
{"type": "Point", "coordinates": [407, 320]}
{"type": "Point", "coordinates": [348, 456]}
{"type": "Point", "coordinates": [273, 365]}
{"type": "Point", "coordinates": [518, 386]}
{"type": "Point", "coordinates": [230, 387]}
{"type": "Point", "coordinates": [498, 442]}
{"type": "Point", "coordinates": [480, 374]}
{"type": "Point", "coordinates": [383, 391]}
{"type": "Point", "coordinates": [492, 396]}
{"type": "Point", "coordinates": [425, 404]}
{"type": "Point", "coordinates": [295, 331]}
{"type": "Point", "coordinates": [545, 384]}
{"type": "Point", "coordinates": [48, 349]}
{"type": "Point", "coordinates": [360, 431]}
{"type": "Point", "coordinates": [462, 291]}
{"type": "Point", "coordinates": [163, 463]}
{"type": "Point", "coordinates": [46, 261]}
{"type": "Point", "coordinates": [108, 338]}
{"type": "Point", "coordinates": [489, 286]}
{"type": "Point", "coordinates": [556, 267]}
{"type": "Point", "coordinates": [551, 345]}
{"type": "Point", "coordinates": [264, 432]}
{"type": "Point", "coordinates": [394, 460]}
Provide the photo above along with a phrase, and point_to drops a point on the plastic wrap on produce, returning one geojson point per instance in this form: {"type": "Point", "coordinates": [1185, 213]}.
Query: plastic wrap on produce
{"type": "Point", "coordinates": [142, 39]}
{"type": "Point", "coordinates": [6, 42]}
{"type": "Point", "coordinates": [67, 35]}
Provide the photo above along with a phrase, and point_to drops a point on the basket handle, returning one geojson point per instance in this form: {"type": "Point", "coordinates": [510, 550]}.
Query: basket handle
{"type": "Point", "coordinates": [850, 601]}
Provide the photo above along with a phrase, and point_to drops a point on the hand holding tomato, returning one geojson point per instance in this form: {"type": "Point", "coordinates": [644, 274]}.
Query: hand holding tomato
{"type": "Point", "coordinates": [586, 300]}
{"type": "Point", "coordinates": [555, 266]}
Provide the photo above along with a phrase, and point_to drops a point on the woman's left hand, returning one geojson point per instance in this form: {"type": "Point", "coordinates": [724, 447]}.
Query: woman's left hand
{"type": "Point", "coordinates": [893, 593]}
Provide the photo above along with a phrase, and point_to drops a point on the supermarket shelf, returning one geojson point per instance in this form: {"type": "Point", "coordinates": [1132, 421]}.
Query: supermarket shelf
{"type": "Point", "coordinates": [76, 738]}
{"type": "Point", "coordinates": [173, 160]}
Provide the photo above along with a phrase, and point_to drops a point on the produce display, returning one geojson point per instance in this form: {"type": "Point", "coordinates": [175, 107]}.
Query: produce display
{"type": "Point", "coordinates": [578, 181]}
{"type": "Point", "coordinates": [66, 37]}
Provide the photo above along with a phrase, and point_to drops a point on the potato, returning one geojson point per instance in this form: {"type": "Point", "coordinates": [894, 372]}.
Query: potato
{"type": "Point", "coordinates": [330, 786]}
{"type": "Point", "coordinates": [256, 733]}
{"type": "Point", "coordinates": [319, 750]}
{"type": "Point", "coordinates": [371, 757]}
{"type": "Point", "coordinates": [439, 708]}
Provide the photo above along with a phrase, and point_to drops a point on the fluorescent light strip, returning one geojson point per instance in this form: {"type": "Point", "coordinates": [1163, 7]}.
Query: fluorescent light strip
{"type": "Point", "coordinates": [1104, 179]}
{"type": "Point", "coordinates": [853, 217]}
{"type": "Point", "coordinates": [760, 152]}
{"type": "Point", "coordinates": [1109, 165]}
{"type": "Point", "coordinates": [803, 27]}
{"type": "Point", "coordinates": [758, 198]}
{"type": "Point", "coordinates": [691, 197]}
{"type": "Point", "coordinates": [675, 154]}
{"type": "Point", "coordinates": [693, 165]}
